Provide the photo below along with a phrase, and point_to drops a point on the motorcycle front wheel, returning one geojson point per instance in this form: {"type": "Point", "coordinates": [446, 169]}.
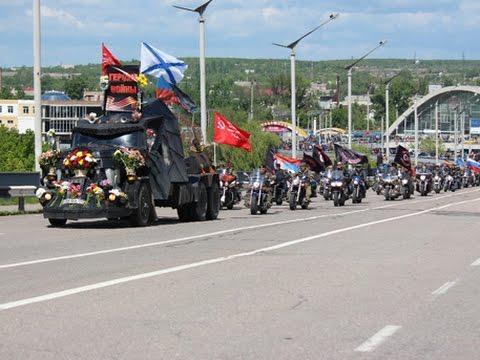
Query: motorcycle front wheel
{"type": "Point", "coordinates": [293, 201]}
{"type": "Point", "coordinates": [254, 204]}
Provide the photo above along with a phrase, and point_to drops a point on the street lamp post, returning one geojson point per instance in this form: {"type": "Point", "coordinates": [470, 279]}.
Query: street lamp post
{"type": "Point", "coordinates": [292, 47]}
{"type": "Point", "coordinates": [37, 84]}
{"type": "Point", "coordinates": [349, 100]}
{"type": "Point", "coordinates": [416, 130]}
{"type": "Point", "coordinates": [203, 91]}
{"type": "Point", "coordinates": [436, 133]}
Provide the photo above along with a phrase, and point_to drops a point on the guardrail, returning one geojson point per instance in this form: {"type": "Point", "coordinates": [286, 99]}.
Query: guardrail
{"type": "Point", "coordinates": [19, 185]}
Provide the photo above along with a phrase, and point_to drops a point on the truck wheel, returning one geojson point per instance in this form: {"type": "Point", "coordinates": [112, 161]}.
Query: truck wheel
{"type": "Point", "coordinates": [57, 222]}
{"type": "Point", "coordinates": [185, 213]}
{"type": "Point", "coordinates": [142, 216]}
{"type": "Point", "coordinates": [213, 207]}
{"type": "Point", "coordinates": [200, 209]}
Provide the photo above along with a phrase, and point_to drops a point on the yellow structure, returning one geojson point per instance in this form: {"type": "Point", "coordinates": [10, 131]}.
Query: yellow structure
{"type": "Point", "coordinates": [9, 113]}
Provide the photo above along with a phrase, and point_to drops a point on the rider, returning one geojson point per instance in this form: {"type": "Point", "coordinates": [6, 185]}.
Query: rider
{"type": "Point", "coordinates": [308, 176]}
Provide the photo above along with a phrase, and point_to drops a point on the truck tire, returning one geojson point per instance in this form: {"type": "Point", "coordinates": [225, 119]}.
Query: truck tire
{"type": "Point", "coordinates": [200, 208]}
{"type": "Point", "coordinates": [57, 222]}
{"type": "Point", "coordinates": [142, 215]}
{"type": "Point", "coordinates": [213, 207]}
{"type": "Point", "coordinates": [185, 213]}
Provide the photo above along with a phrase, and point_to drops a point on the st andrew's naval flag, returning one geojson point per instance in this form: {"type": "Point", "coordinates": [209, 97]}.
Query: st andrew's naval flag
{"type": "Point", "coordinates": [158, 64]}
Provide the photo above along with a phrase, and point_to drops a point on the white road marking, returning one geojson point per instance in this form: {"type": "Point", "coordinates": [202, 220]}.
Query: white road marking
{"type": "Point", "coordinates": [476, 263]}
{"type": "Point", "coordinates": [378, 339]}
{"type": "Point", "coordinates": [108, 283]}
{"type": "Point", "coordinates": [173, 241]}
{"type": "Point", "coordinates": [444, 288]}
{"type": "Point", "coordinates": [201, 236]}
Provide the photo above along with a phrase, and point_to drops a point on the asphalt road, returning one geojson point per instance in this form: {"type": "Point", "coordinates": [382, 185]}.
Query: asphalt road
{"type": "Point", "coordinates": [379, 280]}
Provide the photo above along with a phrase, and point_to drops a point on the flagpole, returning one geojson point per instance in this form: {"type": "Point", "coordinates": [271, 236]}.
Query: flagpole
{"type": "Point", "coordinates": [215, 154]}
{"type": "Point", "coordinates": [203, 91]}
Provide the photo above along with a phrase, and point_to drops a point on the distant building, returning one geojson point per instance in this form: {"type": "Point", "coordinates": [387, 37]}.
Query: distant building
{"type": "Point", "coordinates": [9, 113]}
{"type": "Point", "coordinates": [433, 88]}
{"type": "Point", "coordinates": [26, 115]}
{"type": "Point", "coordinates": [28, 91]}
{"type": "Point", "coordinates": [58, 113]}
{"type": "Point", "coordinates": [96, 96]}
{"type": "Point", "coordinates": [67, 66]}
{"type": "Point", "coordinates": [362, 100]}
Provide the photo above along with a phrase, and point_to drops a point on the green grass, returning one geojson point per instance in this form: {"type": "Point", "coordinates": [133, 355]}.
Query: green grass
{"type": "Point", "coordinates": [12, 213]}
{"type": "Point", "coordinates": [14, 201]}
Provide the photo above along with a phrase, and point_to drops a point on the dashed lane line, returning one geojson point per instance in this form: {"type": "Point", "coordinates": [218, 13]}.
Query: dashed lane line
{"type": "Point", "coordinates": [378, 339]}
{"type": "Point", "coordinates": [444, 288]}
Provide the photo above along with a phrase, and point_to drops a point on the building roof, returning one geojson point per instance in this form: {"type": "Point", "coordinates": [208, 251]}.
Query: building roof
{"type": "Point", "coordinates": [55, 96]}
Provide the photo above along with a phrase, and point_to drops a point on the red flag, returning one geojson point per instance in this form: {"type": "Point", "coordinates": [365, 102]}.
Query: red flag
{"type": "Point", "coordinates": [227, 133]}
{"type": "Point", "coordinates": [108, 59]}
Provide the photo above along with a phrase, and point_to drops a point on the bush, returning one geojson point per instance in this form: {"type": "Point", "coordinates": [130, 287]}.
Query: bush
{"type": "Point", "coordinates": [17, 151]}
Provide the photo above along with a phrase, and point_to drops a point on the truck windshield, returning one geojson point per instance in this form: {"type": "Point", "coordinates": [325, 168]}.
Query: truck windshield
{"type": "Point", "coordinates": [133, 140]}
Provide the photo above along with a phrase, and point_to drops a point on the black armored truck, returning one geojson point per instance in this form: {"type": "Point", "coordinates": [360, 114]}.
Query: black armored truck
{"type": "Point", "coordinates": [122, 165]}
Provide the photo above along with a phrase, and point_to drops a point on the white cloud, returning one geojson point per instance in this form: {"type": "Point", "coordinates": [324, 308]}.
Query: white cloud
{"type": "Point", "coordinates": [62, 16]}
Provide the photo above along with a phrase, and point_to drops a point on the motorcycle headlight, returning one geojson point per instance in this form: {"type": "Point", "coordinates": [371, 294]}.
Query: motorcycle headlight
{"type": "Point", "coordinates": [355, 182]}
{"type": "Point", "coordinates": [256, 185]}
{"type": "Point", "coordinates": [423, 178]}
{"type": "Point", "coordinates": [404, 181]}
{"type": "Point", "coordinates": [296, 182]}
{"type": "Point", "coordinates": [336, 184]}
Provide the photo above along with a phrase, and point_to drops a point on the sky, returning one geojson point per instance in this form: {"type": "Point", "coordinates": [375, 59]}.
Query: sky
{"type": "Point", "coordinates": [72, 30]}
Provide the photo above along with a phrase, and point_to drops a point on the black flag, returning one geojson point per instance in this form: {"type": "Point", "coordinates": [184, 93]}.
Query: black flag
{"type": "Point", "coordinates": [349, 156]}
{"type": "Point", "coordinates": [402, 158]}
{"type": "Point", "coordinates": [270, 159]}
{"type": "Point", "coordinates": [312, 163]}
{"type": "Point", "coordinates": [321, 157]}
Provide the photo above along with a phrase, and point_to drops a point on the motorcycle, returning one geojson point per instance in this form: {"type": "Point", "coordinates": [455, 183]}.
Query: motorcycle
{"type": "Point", "coordinates": [279, 192]}
{"type": "Point", "coordinates": [424, 183]}
{"type": "Point", "coordinates": [314, 188]}
{"type": "Point", "coordinates": [465, 179]}
{"type": "Point", "coordinates": [437, 183]}
{"type": "Point", "coordinates": [339, 188]}
{"type": "Point", "coordinates": [407, 186]}
{"type": "Point", "coordinates": [298, 192]}
{"type": "Point", "coordinates": [391, 187]}
{"type": "Point", "coordinates": [449, 184]}
{"type": "Point", "coordinates": [259, 195]}
{"type": "Point", "coordinates": [326, 186]}
{"type": "Point", "coordinates": [359, 189]}
{"type": "Point", "coordinates": [230, 194]}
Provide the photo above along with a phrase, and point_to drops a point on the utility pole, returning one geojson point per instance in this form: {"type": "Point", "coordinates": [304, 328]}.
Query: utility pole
{"type": "Point", "coordinates": [416, 130]}
{"type": "Point", "coordinates": [387, 120]}
{"type": "Point", "coordinates": [436, 133]}
{"type": "Point", "coordinates": [37, 84]}
{"type": "Point", "coordinates": [250, 115]}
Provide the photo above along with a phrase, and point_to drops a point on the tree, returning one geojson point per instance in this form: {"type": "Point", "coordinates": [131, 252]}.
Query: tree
{"type": "Point", "coordinates": [16, 150]}
{"type": "Point", "coordinates": [428, 145]}
{"type": "Point", "coordinates": [75, 87]}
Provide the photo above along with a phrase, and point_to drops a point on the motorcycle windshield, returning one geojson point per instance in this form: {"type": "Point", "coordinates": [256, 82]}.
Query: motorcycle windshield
{"type": "Point", "coordinates": [337, 175]}
{"type": "Point", "coordinates": [257, 178]}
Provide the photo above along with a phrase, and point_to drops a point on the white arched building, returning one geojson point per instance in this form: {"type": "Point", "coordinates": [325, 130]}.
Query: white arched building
{"type": "Point", "coordinates": [451, 100]}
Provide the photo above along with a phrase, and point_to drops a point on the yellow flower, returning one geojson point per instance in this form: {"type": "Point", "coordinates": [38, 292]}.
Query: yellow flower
{"type": "Point", "coordinates": [79, 154]}
{"type": "Point", "coordinates": [66, 162]}
{"type": "Point", "coordinates": [142, 80]}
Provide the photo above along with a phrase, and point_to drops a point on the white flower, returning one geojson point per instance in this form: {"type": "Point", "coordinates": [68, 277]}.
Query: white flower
{"type": "Point", "coordinates": [39, 193]}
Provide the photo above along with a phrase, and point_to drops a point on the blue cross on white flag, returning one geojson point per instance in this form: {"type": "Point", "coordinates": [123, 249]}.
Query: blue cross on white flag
{"type": "Point", "coordinates": [159, 64]}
